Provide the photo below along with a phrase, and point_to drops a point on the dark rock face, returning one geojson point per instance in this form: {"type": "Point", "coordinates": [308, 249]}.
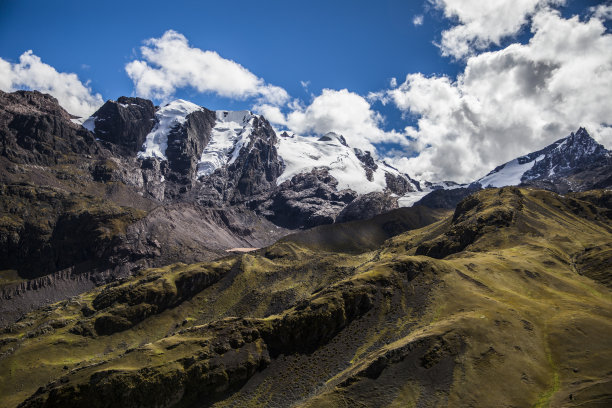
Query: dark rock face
{"type": "Point", "coordinates": [186, 142]}
{"type": "Point", "coordinates": [34, 129]}
{"type": "Point", "coordinates": [369, 165]}
{"type": "Point", "coordinates": [398, 185]}
{"type": "Point", "coordinates": [256, 172]}
{"type": "Point", "coordinates": [593, 178]}
{"type": "Point", "coordinates": [125, 123]}
{"type": "Point", "coordinates": [251, 176]}
{"type": "Point", "coordinates": [50, 230]}
{"type": "Point", "coordinates": [367, 206]}
{"type": "Point", "coordinates": [308, 199]}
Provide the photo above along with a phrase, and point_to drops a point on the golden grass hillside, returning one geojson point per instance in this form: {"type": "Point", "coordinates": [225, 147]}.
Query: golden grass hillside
{"type": "Point", "coordinates": [505, 303]}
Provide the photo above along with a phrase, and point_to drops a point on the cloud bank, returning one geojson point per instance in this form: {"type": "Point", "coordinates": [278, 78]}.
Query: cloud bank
{"type": "Point", "coordinates": [512, 101]}
{"type": "Point", "coordinates": [31, 73]}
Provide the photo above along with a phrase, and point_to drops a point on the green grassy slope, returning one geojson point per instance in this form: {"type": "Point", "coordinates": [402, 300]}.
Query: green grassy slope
{"type": "Point", "coordinates": [506, 304]}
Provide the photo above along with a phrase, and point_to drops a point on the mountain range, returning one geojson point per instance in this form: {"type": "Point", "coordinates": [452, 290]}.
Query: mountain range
{"type": "Point", "coordinates": [122, 239]}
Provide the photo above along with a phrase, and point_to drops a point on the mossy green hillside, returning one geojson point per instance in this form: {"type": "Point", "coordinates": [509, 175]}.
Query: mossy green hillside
{"type": "Point", "coordinates": [509, 312]}
{"type": "Point", "coordinates": [45, 229]}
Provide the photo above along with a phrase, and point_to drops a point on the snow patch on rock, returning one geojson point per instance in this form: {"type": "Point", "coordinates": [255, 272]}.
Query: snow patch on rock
{"type": "Point", "coordinates": [509, 175]}
{"type": "Point", "coordinates": [230, 133]}
{"type": "Point", "coordinates": [303, 153]}
{"type": "Point", "coordinates": [90, 123]}
{"type": "Point", "coordinates": [168, 118]}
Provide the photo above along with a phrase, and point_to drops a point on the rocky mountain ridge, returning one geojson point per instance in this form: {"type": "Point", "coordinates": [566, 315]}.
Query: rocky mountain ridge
{"type": "Point", "coordinates": [235, 157]}
{"type": "Point", "coordinates": [554, 164]}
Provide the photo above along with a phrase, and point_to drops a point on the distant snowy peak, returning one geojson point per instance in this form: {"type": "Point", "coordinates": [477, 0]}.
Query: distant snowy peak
{"type": "Point", "coordinates": [509, 174]}
{"type": "Point", "coordinates": [168, 118]}
{"type": "Point", "coordinates": [352, 168]}
{"type": "Point", "coordinates": [577, 151]}
{"type": "Point", "coordinates": [230, 133]}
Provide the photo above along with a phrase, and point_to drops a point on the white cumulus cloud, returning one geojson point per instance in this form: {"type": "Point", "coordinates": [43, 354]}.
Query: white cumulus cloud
{"type": "Point", "coordinates": [602, 11]}
{"type": "Point", "coordinates": [31, 73]}
{"type": "Point", "coordinates": [417, 20]}
{"type": "Point", "coordinates": [512, 101]}
{"type": "Point", "coordinates": [339, 111]}
{"type": "Point", "coordinates": [482, 23]}
{"type": "Point", "coordinates": [169, 63]}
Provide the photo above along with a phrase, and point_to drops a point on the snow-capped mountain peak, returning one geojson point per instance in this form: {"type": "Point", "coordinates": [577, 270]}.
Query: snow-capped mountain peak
{"type": "Point", "coordinates": [509, 174]}
{"type": "Point", "coordinates": [168, 117]}
{"type": "Point", "coordinates": [352, 168]}
{"type": "Point", "coordinates": [570, 154]}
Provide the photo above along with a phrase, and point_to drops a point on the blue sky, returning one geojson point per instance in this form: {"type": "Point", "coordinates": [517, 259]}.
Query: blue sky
{"type": "Point", "coordinates": [358, 45]}
{"type": "Point", "coordinates": [354, 45]}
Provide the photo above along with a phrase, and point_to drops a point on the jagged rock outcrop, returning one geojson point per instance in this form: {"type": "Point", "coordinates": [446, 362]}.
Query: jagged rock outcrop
{"type": "Point", "coordinates": [399, 185]}
{"type": "Point", "coordinates": [252, 172]}
{"type": "Point", "coordinates": [185, 145]}
{"type": "Point", "coordinates": [367, 206]}
{"type": "Point", "coordinates": [124, 123]}
{"type": "Point", "coordinates": [308, 199]}
{"type": "Point", "coordinates": [34, 129]}
{"type": "Point", "coordinates": [256, 171]}
{"type": "Point", "coordinates": [368, 162]}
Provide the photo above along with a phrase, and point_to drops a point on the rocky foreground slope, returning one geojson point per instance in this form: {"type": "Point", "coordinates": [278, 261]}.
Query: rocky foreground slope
{"type": "Point", "coordinates": [505, 302]}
